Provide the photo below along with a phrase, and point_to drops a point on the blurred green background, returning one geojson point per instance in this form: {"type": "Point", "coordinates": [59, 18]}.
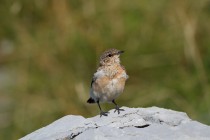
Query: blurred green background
{"type": "Point", "coordinates": [49, 50]}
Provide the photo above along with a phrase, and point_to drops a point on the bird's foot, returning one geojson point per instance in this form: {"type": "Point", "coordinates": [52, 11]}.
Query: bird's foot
{"type": "Point", "coordinates": [118, 110]}
{"type": "Point", "coordinates": [104, 113]}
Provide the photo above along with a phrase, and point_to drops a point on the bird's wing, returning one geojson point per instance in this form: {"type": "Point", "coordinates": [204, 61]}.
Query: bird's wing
{"type": "Point", "coordinates": [93, 80]}
{"type": "Point", "coordinates": [126, 76]}
{"type": "Point", "coordinates": [97, 75]}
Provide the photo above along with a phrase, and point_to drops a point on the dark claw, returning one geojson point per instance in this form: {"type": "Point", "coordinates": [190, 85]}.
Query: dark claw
{"type": "Point", "coordinates": [104, 113]}
{"type": "Point", "coordinates": [118, 110]}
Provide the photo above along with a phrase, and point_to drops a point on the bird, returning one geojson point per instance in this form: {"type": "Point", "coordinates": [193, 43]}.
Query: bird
{"type": "Point", "coordinates": [108, 81]}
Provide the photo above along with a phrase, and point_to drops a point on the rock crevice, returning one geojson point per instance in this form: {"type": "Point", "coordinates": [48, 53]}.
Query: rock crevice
{"type": "Point", "coordinates": [133, 123]}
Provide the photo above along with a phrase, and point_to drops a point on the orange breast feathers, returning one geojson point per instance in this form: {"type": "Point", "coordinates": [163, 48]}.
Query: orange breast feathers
{"type": "Point", "coordinates": [101, 83]}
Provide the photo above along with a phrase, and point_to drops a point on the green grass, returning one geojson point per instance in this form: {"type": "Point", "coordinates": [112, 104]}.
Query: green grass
{"type": "Point", "coordinates": [49, 51]}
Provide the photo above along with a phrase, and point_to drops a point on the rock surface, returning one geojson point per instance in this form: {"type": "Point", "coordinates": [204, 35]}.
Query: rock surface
{"type": "Point", "coordinates": [134, 123]}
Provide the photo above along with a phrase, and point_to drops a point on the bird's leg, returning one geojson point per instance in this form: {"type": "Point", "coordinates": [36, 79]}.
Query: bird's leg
{"type": "Point", "coordinates": [101, 112]}
{"type": "Point", "coordinates": [117, 107]}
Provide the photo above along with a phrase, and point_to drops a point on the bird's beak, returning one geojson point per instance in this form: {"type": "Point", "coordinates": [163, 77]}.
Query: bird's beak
{"type": "Point", "coordinates": [120, 52]}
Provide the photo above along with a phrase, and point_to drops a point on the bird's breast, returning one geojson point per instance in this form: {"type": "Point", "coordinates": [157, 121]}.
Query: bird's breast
{"type": "Point", "coordinates": [116, 85]}
{"type": "Point", "coordinates": [106, 89]}
{"type": "Point", "coordinates": [109, 83]}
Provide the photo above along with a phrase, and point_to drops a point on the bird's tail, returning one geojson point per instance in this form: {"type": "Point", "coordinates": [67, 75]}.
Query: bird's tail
{"type": "Point", "coordinates": [91, 101]}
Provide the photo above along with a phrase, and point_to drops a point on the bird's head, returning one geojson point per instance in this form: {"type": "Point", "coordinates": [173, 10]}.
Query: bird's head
{"type": "Point", "coordinates": [110, 57]}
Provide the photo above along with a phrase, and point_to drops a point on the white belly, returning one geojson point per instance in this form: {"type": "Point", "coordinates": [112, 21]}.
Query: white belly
{"type": "Point", "coordinates": [105, 90]}
{"type": "Point", "coordinates": [111, 91]}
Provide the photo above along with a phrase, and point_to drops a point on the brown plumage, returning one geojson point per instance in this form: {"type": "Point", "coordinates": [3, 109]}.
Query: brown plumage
{"type": "Point", "coordinates": [109, 80]}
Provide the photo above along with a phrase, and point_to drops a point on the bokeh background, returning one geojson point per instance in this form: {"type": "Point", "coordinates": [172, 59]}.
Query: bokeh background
{"type": "Point", "coordinates": [49, 50]}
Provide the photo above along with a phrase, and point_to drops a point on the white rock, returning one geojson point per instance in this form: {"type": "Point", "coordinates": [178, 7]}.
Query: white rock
{"type": "Point", "coordinates": [134, 123]}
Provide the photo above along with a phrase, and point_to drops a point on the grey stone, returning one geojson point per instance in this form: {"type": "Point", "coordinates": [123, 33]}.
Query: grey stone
{"type": "Point", "coordinates": [134, 123]}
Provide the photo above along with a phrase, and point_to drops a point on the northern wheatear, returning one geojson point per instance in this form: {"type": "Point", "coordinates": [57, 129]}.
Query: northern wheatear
{"type": "Point", "coordinates": [109, 80]}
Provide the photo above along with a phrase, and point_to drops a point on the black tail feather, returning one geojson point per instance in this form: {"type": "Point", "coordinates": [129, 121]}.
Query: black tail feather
{"type": "Point", "coordinates": [91, 101]}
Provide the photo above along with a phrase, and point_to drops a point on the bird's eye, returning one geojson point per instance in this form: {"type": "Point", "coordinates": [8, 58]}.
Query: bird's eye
{"type": "Point", "coordinates": [109, 55]}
